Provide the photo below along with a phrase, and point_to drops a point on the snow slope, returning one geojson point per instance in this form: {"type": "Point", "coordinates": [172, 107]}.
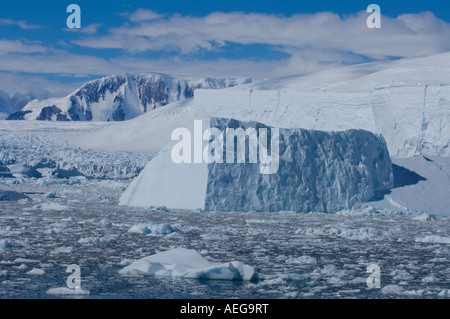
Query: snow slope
{"type": "Point", "coordinates": [420, 71]}
{"type": "Point", "coordinates": [427, 192]}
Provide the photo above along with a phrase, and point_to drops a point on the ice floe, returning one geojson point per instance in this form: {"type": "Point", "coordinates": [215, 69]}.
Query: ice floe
{"type": "Point", "coordinates": [187, 263]}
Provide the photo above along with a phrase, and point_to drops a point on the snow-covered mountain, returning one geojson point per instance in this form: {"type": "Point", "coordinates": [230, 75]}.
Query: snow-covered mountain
{"type": "Point", "coordinates": [120, 97]}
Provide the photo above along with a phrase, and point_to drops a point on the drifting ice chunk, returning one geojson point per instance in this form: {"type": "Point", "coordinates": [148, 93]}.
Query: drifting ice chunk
{"type": "Point", "coordinates": [67, 291]}
{"type": "Point", "coordinates": [186, 263]}
{"type": "Point", "coordinates": [317, 171]}
{"type": "Point", "coordinates": [424, 217]}
{"type": "Point", "coordinates": [303, 260]}
{"type": "Point", "coordinates": [152, 228]}
{"type": "Point", "coordinates": [51, 207]}
{"type": "Point", "coordinates": [433, 239]}
{"type": "Point", "coordinates": [36, 272]}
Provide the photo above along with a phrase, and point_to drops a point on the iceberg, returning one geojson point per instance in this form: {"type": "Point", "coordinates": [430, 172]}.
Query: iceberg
{"type": "Point", "coordinates": [317, 171]}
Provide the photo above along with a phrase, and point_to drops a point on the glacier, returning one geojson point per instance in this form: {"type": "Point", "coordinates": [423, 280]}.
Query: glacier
{"type": "Point", "coordinates": [36, 154]}
{"type": "Point", "coordinates": [413, 119]}
{"type": "Point", "coordinates": [318, 171]}
{"type": "Point", "coordinates": [407, 101]}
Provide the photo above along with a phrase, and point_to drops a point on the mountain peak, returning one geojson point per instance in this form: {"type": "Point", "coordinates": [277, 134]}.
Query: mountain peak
{"type": "Point", "coordinates": [120, 97]}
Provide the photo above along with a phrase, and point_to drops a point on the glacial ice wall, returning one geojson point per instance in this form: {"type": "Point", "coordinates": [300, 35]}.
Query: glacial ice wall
{"type": "Point", "coordinates": [414, 119]}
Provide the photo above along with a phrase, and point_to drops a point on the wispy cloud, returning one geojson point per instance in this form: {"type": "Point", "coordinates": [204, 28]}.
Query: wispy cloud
{"type": "Point", "coordinates": [89, 29]}
{"type": "Point", "coordinates": [18, 46]}
{"type": "Point", "coordinates": [21, 24]}
{"type": "Point", "coordinates": [66, 63]}
{"type": "Point", "coordinates": [142, 15]}
{"type": "Point", "coordinates": [34, 86]}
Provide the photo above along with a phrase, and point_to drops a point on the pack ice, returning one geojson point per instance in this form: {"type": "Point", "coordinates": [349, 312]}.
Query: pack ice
{"type": "Point", "coordinates": [318, 171]}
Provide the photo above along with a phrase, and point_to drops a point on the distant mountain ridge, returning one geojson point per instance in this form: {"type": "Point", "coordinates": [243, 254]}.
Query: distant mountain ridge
{"type": "Point", "coordinates": [12, 102]}
{"type": "Point", "coordinates": [120, 97]}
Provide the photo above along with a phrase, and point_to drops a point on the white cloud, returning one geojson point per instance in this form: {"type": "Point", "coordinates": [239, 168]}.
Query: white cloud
{"type": "Point", "coordinates": [34, 86]}
{"type": "Point", "coordinates": [312, 42]}
{"type": "Point", "coordinates": [142, 15]}
{"type": "Point", "coordinates": [83, 65]}
{"type": "Point", "coordinates": [406, 35]}
{"type": "Point", "coordinates": [21, 24]}
{"type": "Point", "coordinates": [56, 62]}
{"type": "Point", "coordinates": [18, 46]}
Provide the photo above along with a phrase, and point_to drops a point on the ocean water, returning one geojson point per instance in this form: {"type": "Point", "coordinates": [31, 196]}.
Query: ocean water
{"type": "Point", "coordinates": [296, 255]}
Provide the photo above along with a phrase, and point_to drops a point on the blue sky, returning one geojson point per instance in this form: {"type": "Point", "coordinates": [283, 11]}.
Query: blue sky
{"type": "Point", "coordinates": [263, 38]}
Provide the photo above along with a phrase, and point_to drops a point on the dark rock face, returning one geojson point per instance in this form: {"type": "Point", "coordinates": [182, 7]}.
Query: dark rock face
{"type": "Point", "coordinates": [94, 91]}
{"type": "Point", "coordinates": [153, 93]}
{"type": "Point", "coordinates": [118, 114]}
{"type": "Point", "coordinates": [4, 171]}
{"type": "Point", "coordinates": [19, 115]}
{"type": "Point", "coordinates": [49, 111]}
